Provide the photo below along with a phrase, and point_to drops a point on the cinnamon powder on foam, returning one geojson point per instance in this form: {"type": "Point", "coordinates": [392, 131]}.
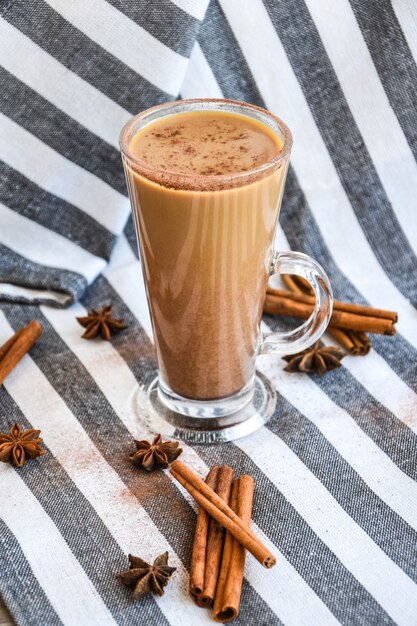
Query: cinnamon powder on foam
{"type": "Point", "coordinates": [205, 143]}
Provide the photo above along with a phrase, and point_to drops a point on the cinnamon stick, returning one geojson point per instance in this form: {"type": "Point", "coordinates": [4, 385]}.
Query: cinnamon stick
{"type": "Point", "coordinates": [293, 307]}
{"type": "Point", "coordinates": [229, 587]}
{"type": "Point", "coordinates": [356, 343]}
{"type": "Point", "coordinates": [297, 283]}
{"type": "Point", "coordinates": [215, 540]}
{"type": "Point", "coordinates": [291, 282]}
{"type": "Point", "coordinates": [345, 307]}
{"type": "Point", "coordinates": [360, 340]}
{"type": "Point", "coordinates": [198, 555]}
{"type": "Point", "coordinates": [218, 509]}
{"type": "Point", "coordinates": [226, 558]}
{"type": "Point", "coordinates": [6, 346]}
{"type": "Point", "coordinates": [17, 346]}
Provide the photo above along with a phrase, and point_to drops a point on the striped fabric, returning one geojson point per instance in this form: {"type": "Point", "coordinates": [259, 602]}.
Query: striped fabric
{"type": "Point", "coordinates": [336, 467]}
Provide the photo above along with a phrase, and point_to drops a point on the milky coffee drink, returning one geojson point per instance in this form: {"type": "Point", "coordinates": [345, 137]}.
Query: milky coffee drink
{"type": "Point", "coordinates": [205, 244]}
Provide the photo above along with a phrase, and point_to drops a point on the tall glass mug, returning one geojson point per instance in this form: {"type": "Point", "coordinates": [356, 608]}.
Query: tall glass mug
{"type": "Point", "coordinates": [206, 250]}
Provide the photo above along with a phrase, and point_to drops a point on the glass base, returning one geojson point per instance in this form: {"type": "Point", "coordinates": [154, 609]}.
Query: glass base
{"type": "Point", "coordinates": [162, 419]}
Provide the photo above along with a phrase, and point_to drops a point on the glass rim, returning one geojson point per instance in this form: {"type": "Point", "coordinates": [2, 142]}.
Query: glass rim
{"type": "Point", "coordinates": [204, 182]}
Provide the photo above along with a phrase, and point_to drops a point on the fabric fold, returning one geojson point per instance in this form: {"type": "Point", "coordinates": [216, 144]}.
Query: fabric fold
{"type": "Point", "coordinates": [66, 91]}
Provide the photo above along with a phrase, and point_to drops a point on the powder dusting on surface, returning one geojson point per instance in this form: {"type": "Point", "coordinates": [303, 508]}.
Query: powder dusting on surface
{"type": "Point", "coordinates": [206, 143]}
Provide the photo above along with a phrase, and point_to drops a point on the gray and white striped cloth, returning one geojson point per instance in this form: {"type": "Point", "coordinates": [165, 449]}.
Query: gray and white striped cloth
{"type": "Point", "coordinates": [336, 467]}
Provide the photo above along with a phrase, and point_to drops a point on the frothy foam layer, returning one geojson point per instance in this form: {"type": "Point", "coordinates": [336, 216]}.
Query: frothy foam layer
{"type": "Point", "coordinates": [206, 143]}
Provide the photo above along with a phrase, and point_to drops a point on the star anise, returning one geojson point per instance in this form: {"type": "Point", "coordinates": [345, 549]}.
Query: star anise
{"type": "Point", "coordinates": [144, 578]}
{"type": "Point", "coordinates": [20, 446]}
{"type": "Point", "coordinates": [100, 323]}
{"type": "Point", "coordinates": [156, 454]}
{"type": "Point", "coordinates": [317, 359]}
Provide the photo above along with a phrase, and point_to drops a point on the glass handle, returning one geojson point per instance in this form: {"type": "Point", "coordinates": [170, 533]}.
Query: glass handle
{"type": "Point", "coordinates": [312, 329]}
